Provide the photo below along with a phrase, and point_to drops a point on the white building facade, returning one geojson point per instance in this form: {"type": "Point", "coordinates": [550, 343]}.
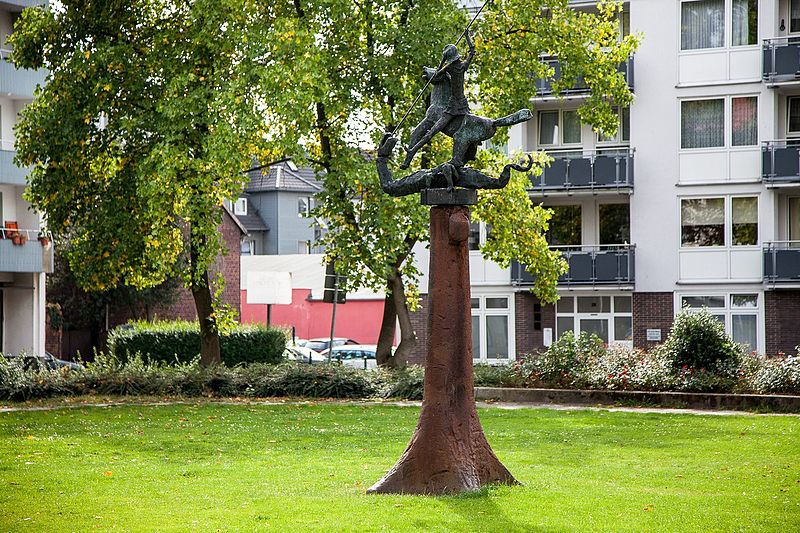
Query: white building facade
{"type": "Point", "coordinates": [694, 202]}
{"type": "Point", "coordinates": [24, 257]}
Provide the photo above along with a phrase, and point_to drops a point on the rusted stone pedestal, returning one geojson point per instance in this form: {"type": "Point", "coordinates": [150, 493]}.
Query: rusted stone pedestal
{"type": "Point", "coordinates": [448, 452]}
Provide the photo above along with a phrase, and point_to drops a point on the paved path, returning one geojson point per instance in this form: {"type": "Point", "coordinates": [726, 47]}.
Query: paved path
{"type": "Point", "coordinates": [496, 405]}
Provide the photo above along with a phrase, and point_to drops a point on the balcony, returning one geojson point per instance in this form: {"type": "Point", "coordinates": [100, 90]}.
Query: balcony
{"type": "Point", "coordinates": [782, 262]}
{"type": "Point", "coordinates": [592, 171]}
{"type": "Point", "coordinates": [780, 162]}
{"type": "Point", "coordinates": [597, 265]}
{"type": "Point", "coordinates": [544, 86]}
{"type": "Point", "coordinates": [781, 61]}
{"type": "Point", "coordinates": [26, 254]}
{"type": "Point", "coordinates": [11, 174]}
{"type": "Point", "coordinates": [19, 83]}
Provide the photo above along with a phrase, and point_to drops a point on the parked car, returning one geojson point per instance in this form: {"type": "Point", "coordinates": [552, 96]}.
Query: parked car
{"type": "Point", "coordinates": [301, 354]}
{"type": "Point", "coordinates": [355, 355]}
{"type": "Point", "coordinates": [41, 362]}
{"type": "Point", "coordinates": [321, 345]}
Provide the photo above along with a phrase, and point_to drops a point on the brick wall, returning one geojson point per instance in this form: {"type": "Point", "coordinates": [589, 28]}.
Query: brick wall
{"type": "Point", "coordinates": [782, 319]}
{"type": "Point", "coordinates": [183, 307]}
{"type": "Point", "coordinates": [651, 310]}
{"type": "Point", "coordinates": [419, 320]}
{"type": "Point", "coordinates": [529, 331]}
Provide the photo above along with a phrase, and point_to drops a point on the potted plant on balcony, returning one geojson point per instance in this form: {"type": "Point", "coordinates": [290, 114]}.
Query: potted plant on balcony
{"type": "Point", "coordinates": [44, 239]}
{"type": "Point", "coordinates": [19, 238]}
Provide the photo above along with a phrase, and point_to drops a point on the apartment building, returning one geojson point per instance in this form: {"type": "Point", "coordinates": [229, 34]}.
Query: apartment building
{"type": "Point", "coordinates": [24, 258]}
{"type": "Point", "coordinates": [695, 202]}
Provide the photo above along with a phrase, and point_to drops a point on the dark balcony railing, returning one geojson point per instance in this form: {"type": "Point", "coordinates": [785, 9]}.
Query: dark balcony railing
{"type": "Point", "coordinates": [781, 60]}
{"type": "Point", "coordinates": [588, 265]}
{"type": "Point", "coordinates": [780, 162]}
{"type": "Point", "coordinates": [544, 86]}
{"type": "Point", "coordinates": [590, 170]}
{"type": "Point", "coordinates": [782, 261]}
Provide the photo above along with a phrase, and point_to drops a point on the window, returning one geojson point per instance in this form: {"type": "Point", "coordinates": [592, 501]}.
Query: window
{"type": "Point", "coordinates": [491, 328]}
{"type": "Point", "coordinates": [793, 125]}
{"type": "Point", "coordinates": [794, 17]}
{"type": "Point", "coordinates": [739, 312]}
{"type": "Point", "coordinates": [623, 133]}
{"type": "Point", "coordinates": [564, 228]}
{"type": "Point", "coordinates": [248, 247]}
{"type": "Point", "coordinates": [703, 122]}
{"type": "Point", "coordinates": [704, 220]}
{"type": "Point", "coordinates": [474, 242]}
{"type": "Point", "coordinates": [794, 218]}
{"type": "Point", "coordinates": [703, 23]}
{"type": "Point", "coordinates": [615, 223]}
{"type": "Point", "coordinates": [744, 229]}
{"type": "Point", "coordinates": [303, 247]}
{"type": "Point", "coordinates": [744, 22]}
{"type": "Point", "coordinates": [608, 317]}
{"type": "Point", "coordinates": [744, 121]}
{"type": "Point", "coordinates": [240, 207]}
{"type": "Point", "coordinates": [304, 206]}
{"type": "Point", "coordinates": [559, 127]}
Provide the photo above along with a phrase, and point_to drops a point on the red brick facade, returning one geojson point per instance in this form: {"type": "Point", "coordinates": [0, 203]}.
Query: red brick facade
{"type": "Point", "coordinates": [531, 318]}
{"type": "Point", "coordinates": [782, 319]}
{"type": "Point", "coordinates": [419, 320]}
{"type": "Point", "coordinates": [651, 310]}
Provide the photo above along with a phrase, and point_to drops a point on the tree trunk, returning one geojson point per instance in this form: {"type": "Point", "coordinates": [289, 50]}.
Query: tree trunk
{"type": "Point", "coordinates": [408, 337]}
{"type": "Point", "coordinates": [383, 352]}
{"type": "Point", "coordinates": [448, 452]}
{"type": "Point", "coordinates": [209, 336]}
{"type": "Point", "coordinates": [204, 305]}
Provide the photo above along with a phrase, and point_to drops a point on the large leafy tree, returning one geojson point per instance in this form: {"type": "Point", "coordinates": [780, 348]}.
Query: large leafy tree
{"type": "Point", "coordinates": [356, 67]}
{"type": "Point", "coordinates": [149, 114]}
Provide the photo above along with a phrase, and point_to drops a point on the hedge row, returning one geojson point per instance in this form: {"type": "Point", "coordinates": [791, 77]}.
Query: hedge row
{"type": "Point", "coordinates": [179, 341]}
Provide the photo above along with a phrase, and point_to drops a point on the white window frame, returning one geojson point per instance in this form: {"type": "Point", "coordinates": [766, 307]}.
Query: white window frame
{"type": "Point", "coordinates": [727, 43]}
{"type": "Point", "coordinates": [789, 213]}
{"type": "Point", "coordinates": [727, 123]}
{"type": "Point", "coordinates": [728, 310]}
{"type": "Point", "coordinates": [482, 312]}
{"type": "Point", "coordinates": [309, 201]}
{"type": "Point", "coordinates": [560, 144]}
{"type": "Point", "coordinates": [789, 18]}
{"type": "Point", "coordinates": [240, 206]}
{"type": "Point", "coordinates": [609, 316]}
{"type": "Point", "coordinates": [727, 222]}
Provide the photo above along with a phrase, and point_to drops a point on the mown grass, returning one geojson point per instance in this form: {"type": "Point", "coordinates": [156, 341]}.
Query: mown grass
{"type": "Point", "coordinates": [208, 467]}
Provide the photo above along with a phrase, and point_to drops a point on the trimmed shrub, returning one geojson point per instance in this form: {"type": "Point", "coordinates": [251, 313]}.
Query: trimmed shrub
{"type": "Point", "coordinates": [496, 376]}
{"type": "Point", "coordinates": [402, 383]}
{"type": "Point", "coordinates": [698, 341]}
{"type": "Point", "coordinates": [179, 341]}
{"type": "Point", "coordinates": [776, 375]}
{"type": "Point", "coordinates": [313, 381]}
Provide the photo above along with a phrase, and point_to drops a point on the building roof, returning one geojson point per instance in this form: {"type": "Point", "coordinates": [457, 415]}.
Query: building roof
{"type": "Point", "coordinates": [284, 176]}
{"type": "Point", "coordinates": [252, 221]}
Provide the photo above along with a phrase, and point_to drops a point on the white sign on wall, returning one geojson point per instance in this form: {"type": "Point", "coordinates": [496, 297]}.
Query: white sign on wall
{"type": "Point", "coordinates": [547, 337]}
{"type": "Point", "coordinates": [654, 335]}
{"type": "Point", "coordinates": [269, 287]}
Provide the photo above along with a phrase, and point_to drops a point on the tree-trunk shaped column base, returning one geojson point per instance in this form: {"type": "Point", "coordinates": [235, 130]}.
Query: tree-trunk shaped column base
{"type": "Point", "coordinates": [448, 452]}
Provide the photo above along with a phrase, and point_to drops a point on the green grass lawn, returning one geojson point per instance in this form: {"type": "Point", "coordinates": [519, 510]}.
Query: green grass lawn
{"type": "Point", "coordinates": [209, 467]}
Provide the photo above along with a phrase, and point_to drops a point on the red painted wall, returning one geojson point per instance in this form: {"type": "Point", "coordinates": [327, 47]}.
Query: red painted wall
{"type": "Point", "coordinates": [357, 319]}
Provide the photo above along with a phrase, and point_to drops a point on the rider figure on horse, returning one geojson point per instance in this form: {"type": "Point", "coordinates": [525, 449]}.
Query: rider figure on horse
{"type": "Point", "coordinates": [454, 69]}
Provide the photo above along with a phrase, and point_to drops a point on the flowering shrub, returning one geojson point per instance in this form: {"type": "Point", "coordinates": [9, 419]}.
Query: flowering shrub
{"type": "Point", "coordinates": [562, 365]}
{"type": "Point", "coordinates": [698, 341]}
{"type": "Point", "coordinates": [619, 368]}
{"type": "Point", "coordinates": [775, 374]}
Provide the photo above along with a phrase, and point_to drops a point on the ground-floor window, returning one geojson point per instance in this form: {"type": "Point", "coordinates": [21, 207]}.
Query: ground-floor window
{"type": "Point", "coordinates": [740, 312]}
{"type": "Point", "coordinates": [608, 317]}
{"type": "Point", "coordinates": [492, 328]}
